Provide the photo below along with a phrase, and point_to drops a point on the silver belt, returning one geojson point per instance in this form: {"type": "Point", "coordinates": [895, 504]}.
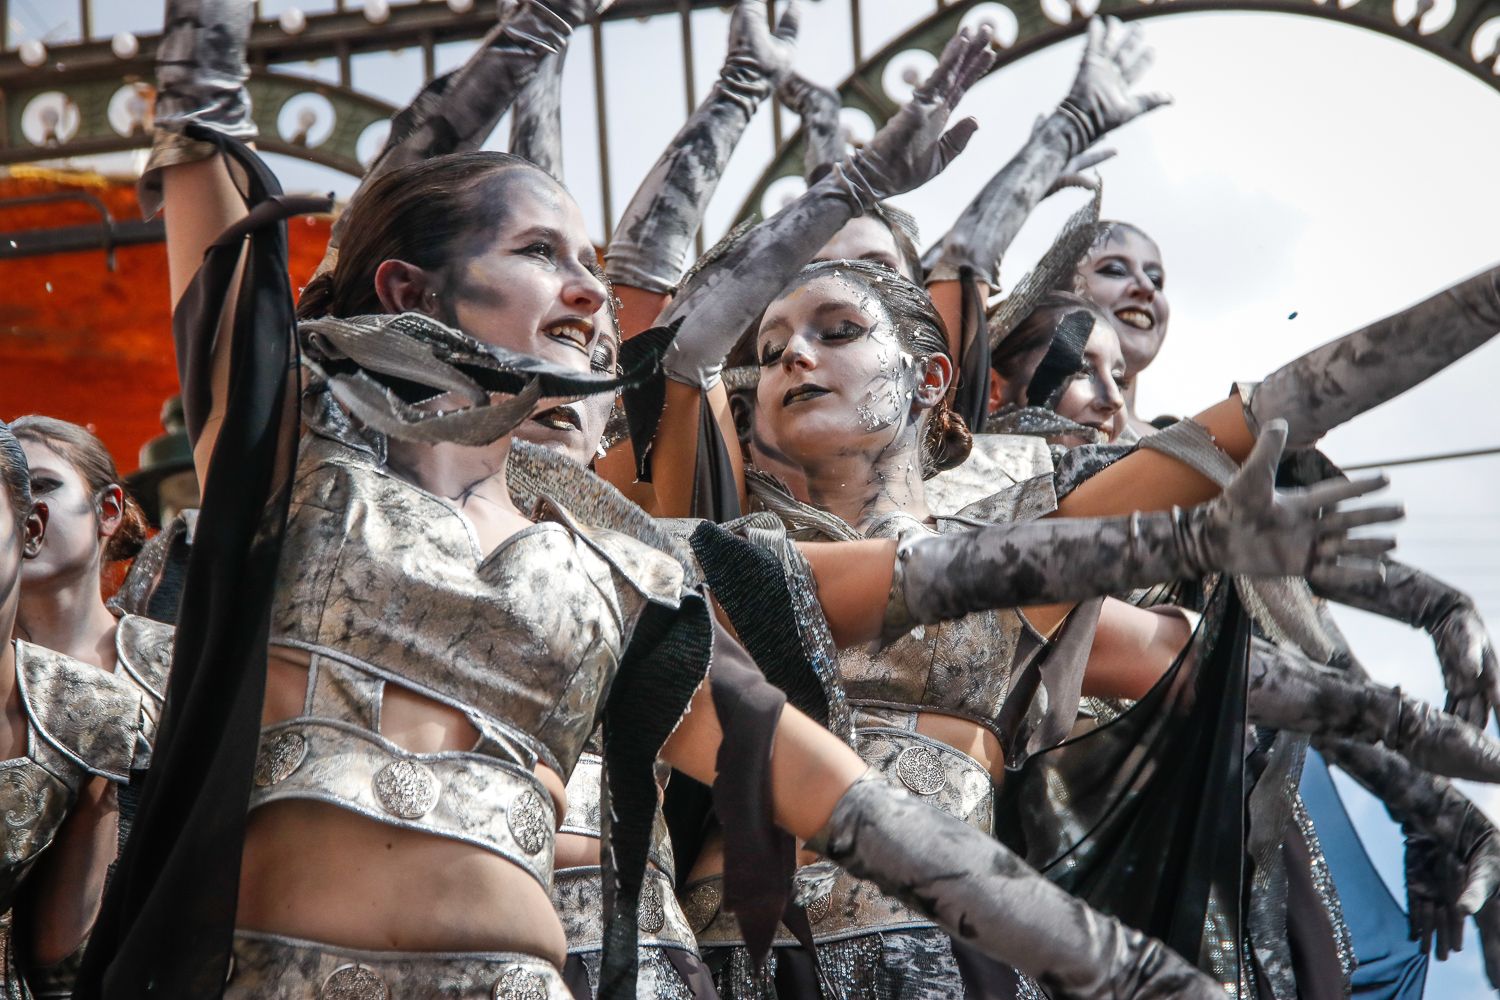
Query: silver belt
{"type": "Point", "coordinates": [578, 896]}
{"type": "Point", "coordinates": [273, 967]}
{"type": "Point", "coordinates": [941, 776]}
{"type": "Point", "coordinates": [841, 907]}
{"type": "Point", "coordinates": [583, 817]}
{"type": "Point", "coordinates": [481, 800]}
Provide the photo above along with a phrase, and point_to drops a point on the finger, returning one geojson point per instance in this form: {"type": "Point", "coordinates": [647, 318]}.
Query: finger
{"type": "Point", "coordinates": [1340, 520]}
{"type": "Point", "coordinates": [1114, 35]}
{"type": "Point", "coordinates": [977, 63]}
{"type": "Point", "coordinates": [1095, 37]}
{"type": "Point", "coordinates": [747, 13]}
{"type": "Point", "coordinates": [1349, 572]}
{"type": "Point", "coordinates": [1132, 50]}
{"type": "Point", "coordinates": [1424, 931]}
{"type": "Point", "coordinates": [1332, 491]}
{"type": "Point", "coordinates": [1340, 546]}
{"type": "Point", "coordinates": [1468, 707]}
{"type": "Point", "coordinates": [1482, 876]}
{"type": "Point", "coordinates": [940, 80]}
{"type": "Point", "coordinates": [791, 20]}
{"type": "Point", "coordinates": [1089, 158]}
{"type": "Point", "coordinates": [1456, 919]}
{"type": "Point", "coordinates": [1155, 99]}
{"type": "Point", "coordinates": [1259, 470]}
{"type": "Point", "coordinates": [955, 139]}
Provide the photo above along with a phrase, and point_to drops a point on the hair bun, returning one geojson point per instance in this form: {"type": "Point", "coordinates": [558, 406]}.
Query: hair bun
{"type": "Point", "coordinates": [948, 440]}
{"type": "Point", "coordinates": [131, 535]}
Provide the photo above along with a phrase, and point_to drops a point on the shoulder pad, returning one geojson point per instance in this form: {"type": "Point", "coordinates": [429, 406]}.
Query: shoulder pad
{"type": "Point", "coordinates": [91, 717]}
{"type": "Point", "coordinates": [659, 577]}
{"type": "Point", "coordinates": [144, 649]}
{"type": "Point", "coordinates": [996, 462]}
{"type": "Point", "coordinates": [1027, 501]}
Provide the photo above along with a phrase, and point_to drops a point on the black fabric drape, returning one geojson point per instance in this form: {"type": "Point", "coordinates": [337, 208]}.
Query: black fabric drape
{"type": "Point", "coordinates": [971, 399]}
{"type": "Point", "coordinates": [167, 922]}
{"type": "Point", "coordinates": [1143, 818]}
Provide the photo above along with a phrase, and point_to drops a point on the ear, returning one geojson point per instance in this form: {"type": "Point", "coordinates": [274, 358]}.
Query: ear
{"type": "Point", "coordinates": [997, 392]}
{"type": "Point", "coordinates": [403, 287]}
{"type": "Point", "coordinates": [111, 510]}
{"type": "Point", "coordinates": [934, 376]}
{"type": "Point", "coordinates": [34, 530]}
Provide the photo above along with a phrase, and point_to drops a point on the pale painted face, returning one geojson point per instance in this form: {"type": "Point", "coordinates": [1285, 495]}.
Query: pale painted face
{"type": "Point", "coordinates": [1095, 398]}
{"type": "Point", "coordinates": [576, 428]}
{"type": "Point", "coordinates": [863, 238]}
{"type": "Point", "coordinates": [1124, 276]}
{"type": "Point", "coordinates": [75, 540]}
{"type": "Point", "coordinates": [834, 380]}
{"type": "Point", "coordinates": [534, 285]}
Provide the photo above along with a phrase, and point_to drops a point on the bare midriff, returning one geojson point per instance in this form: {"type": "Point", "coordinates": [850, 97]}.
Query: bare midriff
{"type": "Point", "coordinates": [963, 735]}
{"type": "Point", "coordinates": [325, 874]}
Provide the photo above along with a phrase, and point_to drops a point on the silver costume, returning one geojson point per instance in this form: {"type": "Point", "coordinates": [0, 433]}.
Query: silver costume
{"type": "Point", "coordinates": [384, 583]}
{"type": "Point", "coordinates": [964, 668]}
{"type": "Point", "coordinates": [80, 723]}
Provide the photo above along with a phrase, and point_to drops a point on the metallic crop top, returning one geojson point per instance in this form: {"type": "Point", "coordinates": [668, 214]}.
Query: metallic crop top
{"type": "Point", "coordinates": [80, 722]}
{"type": "Point", "coordinates": [383, 583]}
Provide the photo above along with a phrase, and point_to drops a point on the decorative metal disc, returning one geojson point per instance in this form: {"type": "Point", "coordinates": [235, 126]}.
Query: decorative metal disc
{"type": "Point", "coordinates": [520, 984]}
{"type": "Point", "coordinates": [701, 906]}
{"type": "Point", "coordinates": [817, 910]}
{"type": "Point", "coordinates": [354, 982]}
{"type": "Point", "coordinates": [277, 758]}
{"type": "Point", "coordinates": [920, 770]}
{"type": "Point", "coordinates": [406, 789]}
{"type": "Point", "coordinates": [651, 916]}
{"type": "Point", "coordinates": [528, 820]}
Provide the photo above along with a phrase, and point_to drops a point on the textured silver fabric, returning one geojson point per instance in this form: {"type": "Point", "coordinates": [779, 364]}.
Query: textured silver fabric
{"type": "Point", "coordinates": [80, 722]}
{"type": "Point", "coordinates": [390, 579]}
{"type": "Point", "coordinates": [838, 906]}
{"type": "Point", "coordinates": [1328, 893]}
{"type": "Point", "coordinates": [143, 652]}
{"type": "Point", "coordinates": [272, 967]}
{"type": "Point", "coordinates": [995, 462]}
{"type": "Point", "coordinates": [584, 787]}
{"type": "Point", "coordinates": [471, 797]}
{"type": "Point", "coordinates": [657, 979]}
{"type": "Point", "coordinates": [578, 897]}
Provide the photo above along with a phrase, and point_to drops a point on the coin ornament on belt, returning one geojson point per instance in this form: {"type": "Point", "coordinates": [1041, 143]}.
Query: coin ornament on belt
{"type": "Point", "coordinates": [520, 984]}
{"type": "Point", "coordinates": [651, 916]}
{"type": "Point", "coordinates": [701, 906]}
{"type": "Point", "coordinates": [406, 789]}
{"type": "Point", "coordinates": [527, 818]}
{"type": "Point", "coordinates": [354, 982]}
{"type": "Point", "coordinates": [920, 770]}
{"type": "Point", "coordinates": [278, 757]}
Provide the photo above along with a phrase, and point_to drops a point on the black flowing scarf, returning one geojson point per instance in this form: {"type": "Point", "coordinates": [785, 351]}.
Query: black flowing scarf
{"type": "Point", "coordinates": [1144, 817]}
{"type": "Point", "coordinates": [167, 921]}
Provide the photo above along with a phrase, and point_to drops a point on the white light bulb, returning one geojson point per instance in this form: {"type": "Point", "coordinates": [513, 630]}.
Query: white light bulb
{"type": "Point", "coordinates": [460, 6]}
{"type": "Point", "coordinates": [292, 20]}
{"type": "Point", "coordinates": [32, 52]}
{"type": "Point", "coordinates": [125, 45]}
{"type": "Point", "coordinates": [376, 11]}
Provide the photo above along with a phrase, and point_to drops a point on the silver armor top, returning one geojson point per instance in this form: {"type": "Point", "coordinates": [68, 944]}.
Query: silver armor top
{"type": "Point", "coordinates": [80, 722]}
{"type": "Point", "coordinates": [143, 654]}
{"type": "Point", "coordinates": [384, 583]}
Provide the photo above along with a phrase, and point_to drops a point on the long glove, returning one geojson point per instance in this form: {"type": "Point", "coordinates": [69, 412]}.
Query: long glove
{"type": "Point", "coordinates": [1101, 98]}
{"type": "Point", "coordinates": [1471, 672]}
{"type": "Point", "coordinates": [1432, 811]}
{"type": "Point", "coordinates": [722, 299]}
{"type": "Point", "coordinates": [1251, 529]}
{"type": "Point", "coordinates": [989, 898]}
{"type": "Point", "coordinates": [822, 135]}
{"type": "Point", "coordinates": [1488, 922]}
{"type": "Point", "coordinates": [536, 119]}
{"type": "Point", "coordinates": [200, 77]}
{"type": "Point", "coordinates": [650, 245]}
{"type": "Point", "coordinates": [1289, 691]}
{"type": "Point", "coordinates": [1361, 370]}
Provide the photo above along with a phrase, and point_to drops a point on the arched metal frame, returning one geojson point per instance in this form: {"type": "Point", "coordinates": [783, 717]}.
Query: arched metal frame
{"type": "Point", "coordinates": [863, 90]}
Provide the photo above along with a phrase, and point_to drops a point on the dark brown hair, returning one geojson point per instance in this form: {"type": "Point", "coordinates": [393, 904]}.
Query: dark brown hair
{"type": "Point", "coordinates": [428, 214]}
{"type": "Point", "coordinates": [1045, 350]}
{"type": "Point", "coordinates": [15, 475]}
{"type": "Point", "coordinates": [919, 329]}
{"type": "Point", "coordinates": [92, 461]}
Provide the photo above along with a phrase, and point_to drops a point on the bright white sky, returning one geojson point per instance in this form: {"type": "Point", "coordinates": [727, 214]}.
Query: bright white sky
{"type": "Point", "coordinates": [1306, 167]}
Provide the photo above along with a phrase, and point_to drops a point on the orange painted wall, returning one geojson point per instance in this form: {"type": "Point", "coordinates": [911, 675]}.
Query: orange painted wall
{"type": "Point", "coordinates": [80, 342]}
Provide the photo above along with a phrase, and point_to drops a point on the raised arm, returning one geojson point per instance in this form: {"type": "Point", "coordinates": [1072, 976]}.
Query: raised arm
{"type": "Point", "coordinates": [722, 300]}
{"type": "Point", "coordinates": [650, 245]}
{"type": "Point", "coordinates": [536, 119]}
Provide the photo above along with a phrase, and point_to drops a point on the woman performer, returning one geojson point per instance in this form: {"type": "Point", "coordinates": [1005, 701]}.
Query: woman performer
{"type": "Point", "coordinates": [1101, 98]}
{"type": "Point", "coordinates": [73, 734]}
{"type": "Point", "coordinates": [378, 680]}
{"type": "Point", "coordinates": [1123, 274]}
{"type": "Point", "coordinates": [91, 522]}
